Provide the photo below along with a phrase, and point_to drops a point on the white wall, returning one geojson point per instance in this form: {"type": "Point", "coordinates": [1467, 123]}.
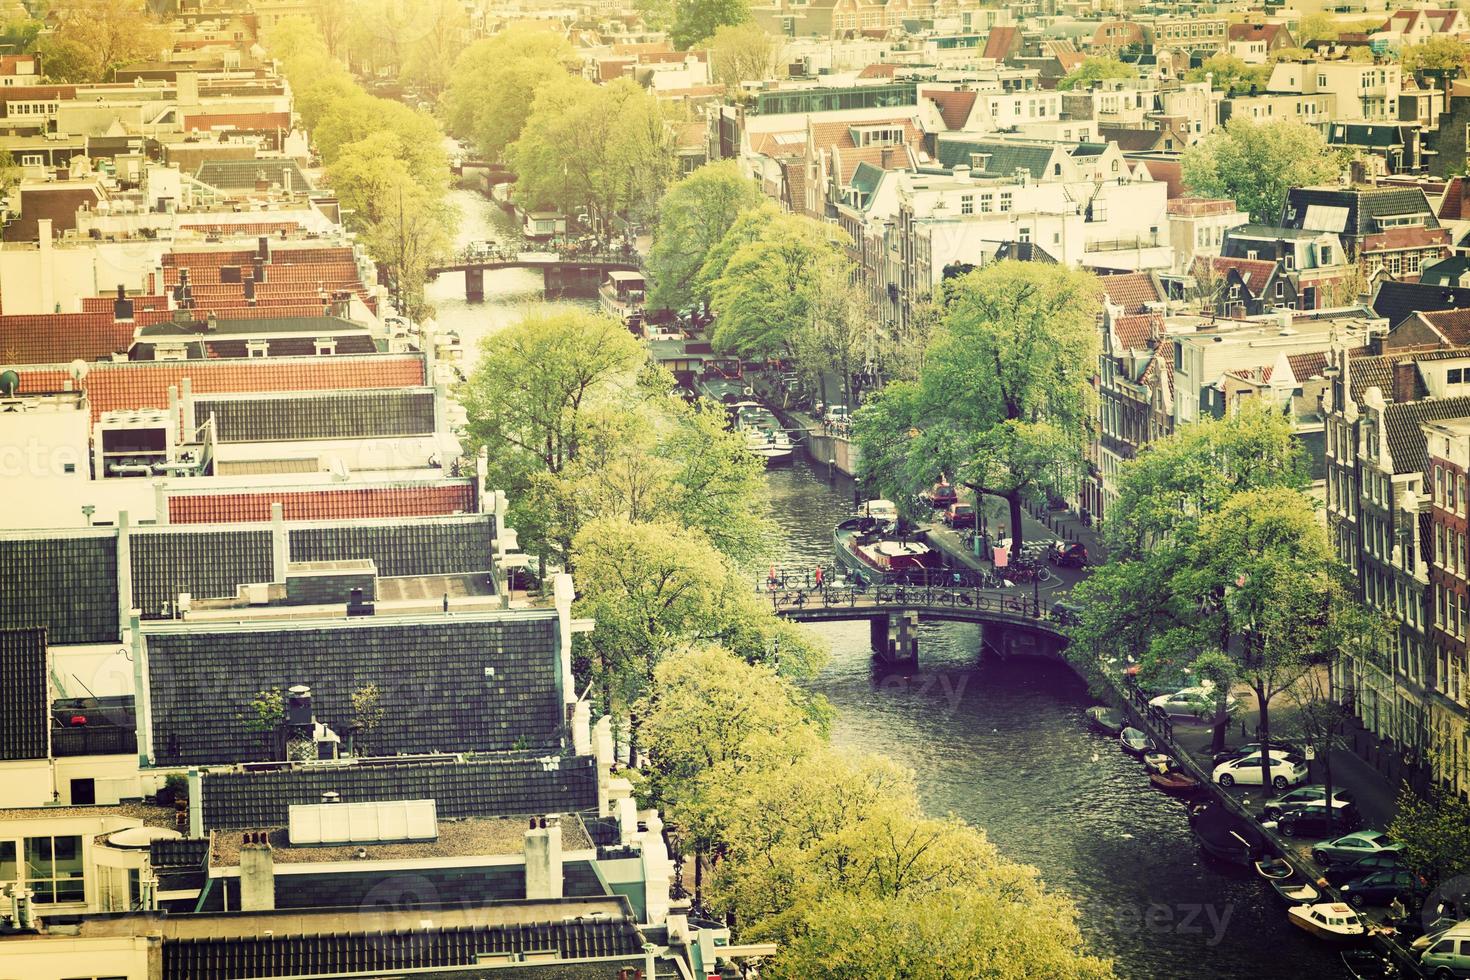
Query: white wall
{"type": "Point", "coordinates": [65, 957]}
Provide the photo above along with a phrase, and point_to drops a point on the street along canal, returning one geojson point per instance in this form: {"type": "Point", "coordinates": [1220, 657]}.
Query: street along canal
{"type": "Point", "coordinates": [1005, 747]}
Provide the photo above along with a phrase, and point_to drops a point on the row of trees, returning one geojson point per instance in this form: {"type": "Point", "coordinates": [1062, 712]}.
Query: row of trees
{"type": "Point", "coordinates": [88, 39]}
{"type": "Point", "coordinates": [830, 857]}
{"type": "Point", "coordinates": [413, 41]}
{"type": "Point", "coordinates": [385, 161]}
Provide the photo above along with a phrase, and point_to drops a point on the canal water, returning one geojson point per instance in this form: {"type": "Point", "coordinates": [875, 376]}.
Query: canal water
{"type": "Point", "coordinates": [1002, 745]}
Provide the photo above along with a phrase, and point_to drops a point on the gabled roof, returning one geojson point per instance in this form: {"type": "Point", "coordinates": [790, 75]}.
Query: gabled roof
{"type": "Point", "coordinates": [879, 70]}
{"type": "Point", "coordinates": [1453, 326]}
{"type": "Point", "coordinates": [1135, 331]}
{"type": "Point", "coordinates": [1132, 290]}
{"type": "Point", "coordinates": [402, 500]}
{"type": "Point", "coordinates": [1401, 423]}
{"type": "Point", "coordinates": [1256, 32]}
{"type": "Point", "coordinates": [1254, 273]}
{"type": "Point", "coordinates": [1446, 272]}
{"type": "Point", "coordinates": [487, 786]}
{"type": "Point", "coordinates": [241, 175]}
{"type": "Point", "coordinates": [1397, 301]}
{"type": "Point", "coordinates": [1308, 365]}
{"type": "Point", "coordinates": [58, 338]}
{"type": "Point", "coordinates": [1000, 158]}
{"type": "Point", "coordinates": [954, 107]}
{"type": "Point", "coordinates": [473, 683]}
{"type": "Point", "coordinates": [1399, 238]}
{"type": "Point", "coordinates": [25, 702]}
{"type": "Point", "coordinates": [1001, 42]}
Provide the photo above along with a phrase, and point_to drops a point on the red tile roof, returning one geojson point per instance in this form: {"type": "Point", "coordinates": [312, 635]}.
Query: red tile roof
{"type": "Point", "coordinates": [1000, 43]}
{"type": "Point", "coordinates": [878, 71]}
{"type": "Point", "coordinates": [1255, 32]}
{"type": "Point", "coordinates": [120, 386]}
{"type": "Point", "coordinates": [247, 228]}
{"type": "Point", "coordinates": [59, 338]}
{"type": "Point", "coordinates": [1453, 325]}
{"type": "Point", "coordinates": [954, 107]}
{"type": "Point", "coordinates": [1131, 290]}
{"type": "Point", "coordinates": [1136, 330]}
{"type": "Point", "coordinates": [1396, 238]}
{"type": "Point", "coordinates": [1255, 273]}
{"type": "Point", "coordinates": [250, 121]}
{"type": "Point", "coordinates": [417, 500]}
{"type": "Point", "coordinates": [1308, 365]}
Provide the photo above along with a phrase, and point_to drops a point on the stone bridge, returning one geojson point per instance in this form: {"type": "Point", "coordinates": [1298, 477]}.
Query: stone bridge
{"type": "Point", "coordinates": [557, 268]}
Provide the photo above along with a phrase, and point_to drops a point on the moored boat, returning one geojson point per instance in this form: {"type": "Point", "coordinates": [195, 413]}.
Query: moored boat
{"type": "Point", "coordinates": [1105, 719]}
{"type": "Point", "coordinates": [1174, 781]}
{"type": "Point", "coordinates": [1274, 868]}
{"type": "Point", "coordinates": [1295, 889]}
{"type": "Point", "coordinates": [1135, 742]}
{"type": "Point", "coordinates": [1332, 921]}
{"type": "Point", "coordinates": [621, 295]}
{"type": "Point", "coordinates": [1157, 761]}
{"type": "Point", "coordinates": [1226, 837]}
{"type": "Point", "coordinates": [869, 552]}
{"type": "Point", "coordinates": [765, 437]}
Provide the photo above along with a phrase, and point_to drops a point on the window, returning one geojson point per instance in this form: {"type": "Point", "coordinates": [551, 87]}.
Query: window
{"type": "Point", "coordinates": [1025, 234]}
{"type": "Point", "coordinates": [1005, 201]}
{"type": "Point", "coordinates": [257, 348]}
{"type": "Point", "coordinates": [986, 203]}
{"type": "Point", "coordinates": [32, 160]}
{"type": "Point", "coordinates": [54, 869]}
{"type": "Point", "coordinates": [967, 204]}
{"type": "Point", "coordinates": [326, 346]}
{"type": "Point", "coordinates": [1280, 289]}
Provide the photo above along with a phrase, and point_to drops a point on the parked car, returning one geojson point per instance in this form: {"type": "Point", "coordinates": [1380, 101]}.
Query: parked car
{"type": "Point", "coordinates": [1351, 847]}
{"type": "Point", "coordinates": [1191, 702]}
{"type": "Point", "coordinates": [960, 515]}
{"type": "Point", "coordinates": [836, 415]}
{"type": "Point", "coordinates": [940, 496]}
{"type": "Point", "coordinates": [1285, 771]}
{"type": "Point", "coordinates": [1251, 748]}
{"type": "Point", "coordinates": [1301, 796]}
{"type": "Point", "coordinates": [1382, 887]}
{"type": "Point", "coordinates": [1338, 875]}
{"type": "Point", "coordinates": [1310, 820]}
{"type": "Point", "coordinates": [1448, 957]}
{"type": "Point", "coordinates": [1069, 554]}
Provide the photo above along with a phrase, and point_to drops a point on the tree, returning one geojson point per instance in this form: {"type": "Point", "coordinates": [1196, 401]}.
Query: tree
{"type": "Point", "coordinates": [1096, 68]}
{"type": "Point", "coordinates": [764, 293]}
{"type": "Point", "coordinates": [1230, 74]}
{"type": "Point", "coordinates": [1255, 164]}
{"type": "Point", "coordinates": [67, 60]}
{"type": "Point", "coordinates": [1004, 402]}
{"type": "Point", "coordinates": [513, 63]}
{"type": "Point", "coordinates": [1348, 289]}
{"type": "Point", "coordinates": [1440, 56]}
{"type": "Point", "coordinates": [1435, 833]}
{"type": "Point", "coordinates": [413, 234]}
{"type": "Point", "coordinates": [444, 29]}
{"type": "Point", "coordinates": [1316, 26]}
{"type": "Point", "coordinates": [840, 339]}
{"type": "Point", "coordinates": [693, 217]}
{"type": "Point", "coordinates": [367, 713]}
{"type": "Point", "coordinates": [1291, 54]}
{"type": "Point", "coordinates": [263, 715]}
{"type": "Point", "coordinates": [951, 933]}
{"type": "Point", "coordinates": [743, 52]}
{"type": "Point", "coordinates": [695, 20]}
{"type": "Point", "coordinates": [114, 33]}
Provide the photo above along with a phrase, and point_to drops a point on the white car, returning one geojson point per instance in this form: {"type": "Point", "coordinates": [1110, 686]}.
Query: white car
{"type": "Point", "coordinates": [1286, 770]}
{"type": "Point", "coordinates": [1191, 702]}
{"type": "Point", "coordinates": [836, 415]}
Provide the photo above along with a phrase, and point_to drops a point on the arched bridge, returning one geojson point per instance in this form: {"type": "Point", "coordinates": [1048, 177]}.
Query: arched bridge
{"type": "Point", "coordinates": [1017, 620]}
{"type": "Point", "coordinates": [557, 268]}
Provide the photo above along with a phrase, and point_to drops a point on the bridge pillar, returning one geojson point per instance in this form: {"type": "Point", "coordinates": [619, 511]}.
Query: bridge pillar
{"type": "Point", "coordinates": [474, 284]}
{"type": "Point", "coordinates": [895, 638]}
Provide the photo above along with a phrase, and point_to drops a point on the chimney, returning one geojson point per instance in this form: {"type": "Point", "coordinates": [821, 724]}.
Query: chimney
{"type": "Point", "coordinates": [124, 567]}
{"type": "Point", "coordinates": [280, 543]}
{"type": "Point", "coordinates": [258, 264]}
{"type": "Point", "coordinates": [962, 172]}
{"type": "Point", "coordinates": [262, 249]}
{"type": "Point", "coordinates": [543, 861]}
{"type": "Point", "coordinates": [122, 307]}
{"type": "Point", "coordinates": [1405, 381]}
{"type": "Point", "coordinates": [298, 707]}
{"type": "Point", "coordinates": [186, 399]}
{"type": "Point", "coordinates": [257, 874]}
{"type": "Point", "coordinates": [211, 322]}
{"type": "Point", "coordinates": [196, 804]}
{"type": "Point", "coordinates": [249, 290]}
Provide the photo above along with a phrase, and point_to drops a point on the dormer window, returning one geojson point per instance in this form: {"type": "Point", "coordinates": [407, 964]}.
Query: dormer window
{"type": "Point", "coordinates": [326, 346]}
{"type": "Point", "coordinates": [878, 136]}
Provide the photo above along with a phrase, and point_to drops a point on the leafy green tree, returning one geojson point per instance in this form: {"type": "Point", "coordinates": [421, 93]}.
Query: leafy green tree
{"type": "Point", "coordinates": [67, 60]}
{"type": "Point", "coordinates": [1004, 401]}
{"type": "Point", "coordinates": [1096, 68]}
{"type": "Point", "coordinates": [413, 233]}
{"type": "Point", "coordinates": [1435, 832]}
{"type": "Point", "coordinates": [263, 715]}
{"type": "Point", "coordinates": [956, 932]}
{"type": "Point", "coordinates": [1316, 26]}
{"type": "Point", "coordinates": [431, 56]}
{"type": "Point", "coordinates": [1255, 164]}
{"type": "Point", "coordinates": [763, 296]}
{"type": "Point", "coordinates": [695, 20]}
{"type": "Point", "coordinates": [1230, 74]}
{"type": "Point", "coordinates": [1440, 56]}
{"type": "Point", "coordinates": [841, 337]}
{"type": "Point", "coordinates": [19, 34]}
{"type": "Point", "coordinates": [114, 33]}
{"type": "Point", "coordinates": [693, 217]}
{"type": "Point", "coordinates": [513, 63]}
{"type": "Point", "coordinates": [743, 52]}
{"type": "Point", "coordinates": [367, 714]}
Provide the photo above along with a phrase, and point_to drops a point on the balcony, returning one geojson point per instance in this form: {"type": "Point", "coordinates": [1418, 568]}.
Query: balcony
{"type": "Point", "coordinates": [1124, 244]}
{"type": "Point", "coordinates": [93, 740]}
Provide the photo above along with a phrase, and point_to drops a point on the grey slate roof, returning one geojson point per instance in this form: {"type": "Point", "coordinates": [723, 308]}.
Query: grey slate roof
{"type": "Point", "coordinates": [178, 852]}
{"type": "Point", "coordinates": [25, 705]}
{"type": "Point", "coordinates": [321, 326]}
{"type": "Point", "coordinates": [207, 564]}
{"type": "Point", "coordinates": [374, 953]}
{"type": "Point", "coordinates": [506, 786]}
{"type": "Point", "coordinates": [438, 547]}
{"type": "Point", "coordinates": [1005, 157]}
{"type": "Point", "coordinates": [1364, 204]}
{"type": "Point", "coordinates": [66, 584]}
{"type": "Point", "coordinates": [483, 685]}
{"type": "Point", "coordinates": [1397, 301]}
{"type": "Point", "coordinates": [228, 175]}
{"type": "Point", "coordinates": [1405, 439]}
{"type": "Point", "coordinates": [445, 886]}
{"type": "Point", "coordinates": [1445, 272]}
{"type": "Point", "coordinates": [324, 415]}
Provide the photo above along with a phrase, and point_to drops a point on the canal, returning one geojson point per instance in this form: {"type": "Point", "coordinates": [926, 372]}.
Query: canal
{"type": "Point", "coordinates": [1002, 745]}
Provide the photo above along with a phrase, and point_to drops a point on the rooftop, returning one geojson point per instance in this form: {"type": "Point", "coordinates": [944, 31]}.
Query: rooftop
{"type": "Point", "coordinates": [461, 837]}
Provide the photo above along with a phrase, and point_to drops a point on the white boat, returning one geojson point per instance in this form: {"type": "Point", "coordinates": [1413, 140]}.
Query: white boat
{"type": "Point", "coordinates": [765, 437]}
{"type": "Point", "coordinates": [1332, 921]}
{"type": "Point", "coordinates": [882, 511]}
{"type": "Point", "coordinates": [621, 294]}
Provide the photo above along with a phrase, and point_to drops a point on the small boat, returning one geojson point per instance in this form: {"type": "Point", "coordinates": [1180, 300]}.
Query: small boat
{"type": "Point", "coordinates": [1368, 964]}
{"type": "Point", "coordinates": [1225, 837]}
{"type": "Point", "coordinates": [1157, 761]}
{"type": "Point", "coordinates": [1174, 781]}
{"type": "Point", "coordinates": [621, 295]}
{"type": "Point", "coordinates": [1332, 921]}
{"type": "Point", "coordinates": [1274, 868]}
{"type": "Point", "coordinates": [1106, 719]}
{"type": "Point", "coordinates": [1135, 742]}
{"type": "Point", "coordinates": [1295, 889]}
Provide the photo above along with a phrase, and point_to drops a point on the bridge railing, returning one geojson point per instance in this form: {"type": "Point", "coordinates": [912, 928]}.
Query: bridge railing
{"type": "Point", "coordinates": [488, 256]}
{"type": "Point", "coordinates": [898, 597]}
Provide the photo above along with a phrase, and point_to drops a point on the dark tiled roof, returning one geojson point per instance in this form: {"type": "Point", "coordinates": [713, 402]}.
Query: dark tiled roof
{"type": "Point", "coordinates": [242, 174]}
{"type": "Point", "coordinates": [1445, 272]}
{"type": "Point", "coordinates": [67, 585]}
{"type": "Point", "coordinates": [1005, 158]}
{"type": "Point", "coordinates": [180, 852]}
{"type": "Point", "coordinates": [205, 564]}
{"type": "Point", "coordinates": [1397, 301]}
{"type": "Point", "coordinates": [320, 415]}
{"type": "Point", "coordinates": [509, 786]}
{"type": "Point", "coordinates": [369, 952]}
{"type": "Point", "coordinates": [1364, 205]}
{"type": "Point", "coordinates": [25, 706]}
{"type": "Point", "coordinates": [431, 547]}
{"type": "Point", "coordinates": [255, 326]}
{"type": "Point", "coordinates": [481, 685]}
{"type": "Point", "coordinates": [1405, 438]}
{"type": "Point", "coordinates": [447, 886]}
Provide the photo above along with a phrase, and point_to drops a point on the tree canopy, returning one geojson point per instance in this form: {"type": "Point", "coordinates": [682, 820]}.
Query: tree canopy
{"type": "Point", "coordinates": [693, 217]}
{"type": "Point", "coordinates": [1004, 402]}
{"type": "Point", "coordinates": [512, 63]}
{"type": "Point", "coordinates": [695, 20]}
{"type": "Point", "coordinates": [743, 52]}
{"type": "Point", "coordinates": [1230, 74]}
{"type": "Point", "coordinates": [91, 39]}
{"type": "Point", "coordinates": [1096, 68]}
{"type": "Point", "coordinates": [1441, 56]}
{"type": "Point", "coordinates": [1255, 164]}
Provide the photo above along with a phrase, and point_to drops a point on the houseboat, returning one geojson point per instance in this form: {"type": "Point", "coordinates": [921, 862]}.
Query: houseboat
{"type": "Point", "coordinates": [765, 438]}
{"type": "Point", "coordinates": [621, 295]}
{"type": "Point", "coordinates": [879, 554]}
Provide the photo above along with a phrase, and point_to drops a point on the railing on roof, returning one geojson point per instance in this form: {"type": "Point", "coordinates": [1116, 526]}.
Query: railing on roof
{"type": "Point", "coordinates": [1123, 244]}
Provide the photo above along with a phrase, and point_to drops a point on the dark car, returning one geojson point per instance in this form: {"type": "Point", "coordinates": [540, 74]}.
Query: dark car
{"type": "Point", "coordinates": [1310, 820]}
{"type": "Point", "coordinates": [960, 515]}
{"type": "Point", "coordinates": [1382, 887]}
{"type": "Point", "coordinates": [1301, 796]}
{"type": "Point", "coordinates": [1251, 748]}
{"type": "Point", "coordinates": [1340, 874]}
{"type": "Point", "coordinates": [1069, 554]}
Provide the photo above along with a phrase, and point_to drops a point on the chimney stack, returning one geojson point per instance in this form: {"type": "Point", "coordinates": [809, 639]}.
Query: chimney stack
{"type": "Point", "coordinates": [1405, 381]}
{"type": "Point", "coordinates": [122, 307]}
{"type": "Point", "coordinates": [280, 543]}
{"type": "Point", "coordinates": [257, 874]}
{"type": "Point", "coordinates": [543, 861]}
